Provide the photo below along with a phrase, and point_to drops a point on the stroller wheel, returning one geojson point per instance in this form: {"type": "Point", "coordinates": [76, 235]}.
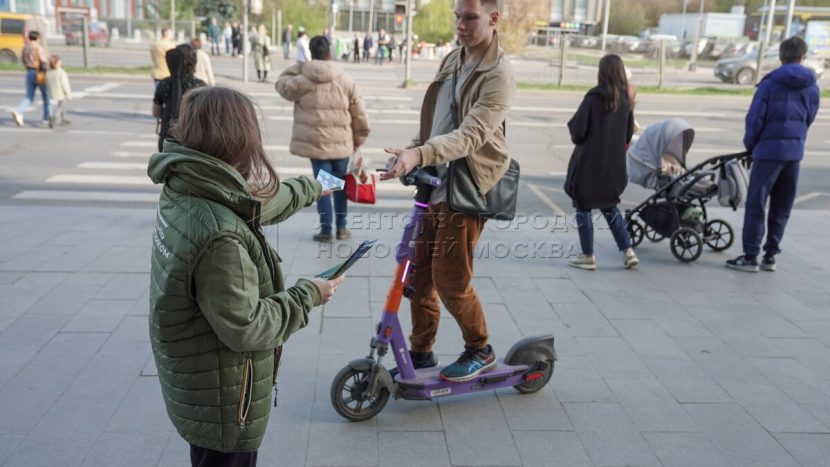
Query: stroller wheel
{"type": "Point", "coordinates": [686, 245]}
{"type": "Point", "coordinates": [719, 235]}
{"type": "Point", "coordinates": [652, 234]}
{"type": "Point", "coordinates": [636, 232]}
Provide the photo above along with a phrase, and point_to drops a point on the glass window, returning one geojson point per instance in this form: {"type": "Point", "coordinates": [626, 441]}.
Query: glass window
{"type": "Point", "coordinates": [11, 26]}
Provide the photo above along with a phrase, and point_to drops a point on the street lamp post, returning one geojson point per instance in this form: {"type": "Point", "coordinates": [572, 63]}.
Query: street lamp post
{"type": "Point", "coordinates": [605, 24]}
{"type": "Point", "coordinates": [765, 42]}
{"type": "Point", "coordinates": [408, 50]}
{"type": "Point", "coordinates": [698, 31]}
{"type": "Point", "coordinates": [789, 23]}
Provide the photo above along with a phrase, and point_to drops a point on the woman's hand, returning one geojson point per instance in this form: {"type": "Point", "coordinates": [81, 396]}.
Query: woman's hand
{"type": "Point", "coordinates": [327, 287]}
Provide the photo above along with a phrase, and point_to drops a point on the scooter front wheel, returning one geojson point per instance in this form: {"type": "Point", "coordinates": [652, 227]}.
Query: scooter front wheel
{"type": "Point", "coordinates": [349, 398]}
{"type": "Point", "coordinates": [536, 384]}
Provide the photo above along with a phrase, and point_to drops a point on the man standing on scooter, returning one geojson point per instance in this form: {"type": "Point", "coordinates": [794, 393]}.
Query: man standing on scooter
{"type": "Point", "coordinates": [444, 254]}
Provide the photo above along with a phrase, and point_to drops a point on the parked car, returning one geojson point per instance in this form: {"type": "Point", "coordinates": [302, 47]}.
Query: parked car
{"type": "Point", "coordinates": [741, 70]}
{"type": "Point", "coordinates": [98, 36]}
{"type": "Point", "coordinates": [718, 47]}
{"type": "Point", "coordinates": [651, 48]}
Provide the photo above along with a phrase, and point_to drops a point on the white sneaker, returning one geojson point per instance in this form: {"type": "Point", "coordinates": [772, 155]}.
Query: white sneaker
{"type": "Point", "coordinates": [586, 262]}
{"type": "Point", "coordinates": [18, 119]}
{"type": "Point", "coordinates": [630, 260]}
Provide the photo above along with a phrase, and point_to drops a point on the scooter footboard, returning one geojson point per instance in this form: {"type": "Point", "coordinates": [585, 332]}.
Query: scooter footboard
{"type": "Point", "coordinates": [530, 350]}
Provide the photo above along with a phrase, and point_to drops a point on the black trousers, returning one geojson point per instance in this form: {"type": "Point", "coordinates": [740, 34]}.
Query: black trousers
{"type": "Point", "coordinates": [203, 457]}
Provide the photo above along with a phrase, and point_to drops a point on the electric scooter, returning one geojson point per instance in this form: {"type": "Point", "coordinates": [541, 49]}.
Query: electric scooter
{"type": "Point", "coordinates": [363, 387]}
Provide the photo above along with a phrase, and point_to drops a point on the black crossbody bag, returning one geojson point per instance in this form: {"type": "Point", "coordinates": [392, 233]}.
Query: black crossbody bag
{"type": "Point", "coordinates": [462, 191]}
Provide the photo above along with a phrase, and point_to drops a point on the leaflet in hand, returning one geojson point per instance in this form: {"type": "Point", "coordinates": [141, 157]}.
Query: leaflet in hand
{"type": "Point", "coordinates": [359, 252]}
{"type": "Point", "coordinates": [329, 181]}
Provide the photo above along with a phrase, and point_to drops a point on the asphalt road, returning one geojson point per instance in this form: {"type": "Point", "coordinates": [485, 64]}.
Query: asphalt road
{"type": "Point", "coordinates": [100, 159]}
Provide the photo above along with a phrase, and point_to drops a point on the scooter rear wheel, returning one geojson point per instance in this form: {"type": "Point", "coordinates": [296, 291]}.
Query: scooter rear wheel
{"type": "Point", "coordinates": [347, 395]}
{"type": "Point", "coordinates": [537, 384]}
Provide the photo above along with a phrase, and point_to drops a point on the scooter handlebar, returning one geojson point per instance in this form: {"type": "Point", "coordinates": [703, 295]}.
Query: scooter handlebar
{"type": "Point", "coordinates": [418, 176]}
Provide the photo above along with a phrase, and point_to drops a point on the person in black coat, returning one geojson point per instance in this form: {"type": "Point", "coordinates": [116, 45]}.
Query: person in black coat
{"type": "Point", "coordinates": [601, 129]}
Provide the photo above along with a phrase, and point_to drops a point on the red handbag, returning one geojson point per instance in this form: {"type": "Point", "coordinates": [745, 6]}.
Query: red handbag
{"type": "Point", "coordinates": [364, 193]}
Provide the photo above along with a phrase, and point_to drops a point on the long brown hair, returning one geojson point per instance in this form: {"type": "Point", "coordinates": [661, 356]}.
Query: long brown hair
{"type": "Point", "coordinates": [222, 122]}
{"type": "Point", "coordinates": [612, 77]}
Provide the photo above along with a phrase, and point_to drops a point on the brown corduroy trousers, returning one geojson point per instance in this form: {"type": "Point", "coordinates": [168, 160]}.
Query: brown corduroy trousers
{"type": "Point", "coordinates": [444, 269]}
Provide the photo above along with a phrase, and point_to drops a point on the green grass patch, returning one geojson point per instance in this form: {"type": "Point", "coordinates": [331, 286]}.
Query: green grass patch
{"type": "Point", "coordinates": [96, 70]}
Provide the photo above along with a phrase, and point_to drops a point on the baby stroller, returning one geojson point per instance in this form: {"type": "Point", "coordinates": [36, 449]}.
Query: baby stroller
{"type": "Point", "coordinates": [677, 209]}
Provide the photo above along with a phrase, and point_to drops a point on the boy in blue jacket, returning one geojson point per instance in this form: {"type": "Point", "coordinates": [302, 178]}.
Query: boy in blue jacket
{"type": "Point", "coordinates": [784, 106]}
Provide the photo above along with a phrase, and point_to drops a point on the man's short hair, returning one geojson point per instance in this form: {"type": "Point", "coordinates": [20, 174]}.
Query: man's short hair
{"type": "Point", "coordinates": [494, 4]}
{"type": "Point", "coordinates": [320, 48]}
{"type": "Point", "coordinates": [792, 50]}
{"type": "Point", "coordinates": [34, 35]}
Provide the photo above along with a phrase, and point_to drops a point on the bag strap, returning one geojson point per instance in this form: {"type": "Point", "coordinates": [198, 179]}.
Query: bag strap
{"type": "Point", "coordinates": [454, 109]}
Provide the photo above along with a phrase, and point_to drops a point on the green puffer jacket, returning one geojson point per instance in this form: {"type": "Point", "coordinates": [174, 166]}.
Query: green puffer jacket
{"type": "Point", "coordinates": [219, 308]}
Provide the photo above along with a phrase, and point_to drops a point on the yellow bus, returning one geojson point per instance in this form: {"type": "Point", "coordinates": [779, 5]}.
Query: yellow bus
{"type": "Point", "coordinates": [14, 29]}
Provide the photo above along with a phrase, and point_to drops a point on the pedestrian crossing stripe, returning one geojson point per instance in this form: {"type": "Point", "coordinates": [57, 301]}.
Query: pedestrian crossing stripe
{"type": "Point", "coordinates": [150, 197]}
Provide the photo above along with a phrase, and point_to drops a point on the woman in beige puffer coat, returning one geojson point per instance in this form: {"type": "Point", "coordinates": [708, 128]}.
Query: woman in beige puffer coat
{"type": "Point", "coordinates": [330, 124]}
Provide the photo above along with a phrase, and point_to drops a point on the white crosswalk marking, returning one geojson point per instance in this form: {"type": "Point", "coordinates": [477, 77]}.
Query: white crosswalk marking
{"type": "Point", "coordinates": [140, 144]}
{"type": "Point", "coordinates": [66, 195]}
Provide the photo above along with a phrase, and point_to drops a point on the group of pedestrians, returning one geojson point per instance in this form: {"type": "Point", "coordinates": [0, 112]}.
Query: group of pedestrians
{"type": "Point", "coordinates": [44, 73]}
{"type": "Point", "coordinates": [220, 309]}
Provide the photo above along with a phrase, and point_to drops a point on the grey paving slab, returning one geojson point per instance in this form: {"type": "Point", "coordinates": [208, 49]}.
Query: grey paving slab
{"type": "Point", "coordinates": [343, 444]}
{"type": "Point", "coordinates": [52, 448]}
{"type": "Point", "coordinates": [612, 356]}
{"type": "Point", "coordinates": [584, 320]}
{"type": "Point", "coordinates": [477, 431]}
{"type": "Point", "coordinates": [8, 443]}
{"type": "Point", "coordinates": [544, 448]}
{"type": "Point", "coordinates": [738, 436]}
{"type": "Point", "coordinates": [608, 435]}
{"type": "Point", "coordinates": [64, 299]}
{"type": "Point", "coordinates": [649, 405]}
{"type": "Point", "coordinates": [808, 448]}
{"type": "Point", "coordinates": [541, 411]}
{"type": "Point", "coordinates": [98, 316]}
{"type": "Point", "coordinates": [572, 384]}
{"type": "Point", "coordinates": [30, 396]}
{"type": "Point", "coordinates": [414, 448]}
{"type": "Point", "coordinates": [772, 408]}
{"type": "Point", "coordinates": [125, 287]}
{"type": "Point", "coordinates": [667, 364]}
{"type": "Point", "coordinates": [685, 450]}
{"type": "Point", "coordinates": [646, 338]}
{"type": "Point", "coordinates": [141, 410]}
{"type": "Point", "coordinates": [134, 449]}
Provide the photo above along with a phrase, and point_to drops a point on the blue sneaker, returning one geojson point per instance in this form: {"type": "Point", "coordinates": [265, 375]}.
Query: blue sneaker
{"type": "Point", "coordinates": [470, 364]}
{"type": "Point", "coordinates": [742, 263]}
{"type": "Point", "coordinates": [419, 360]}
{"type": "Point", "coordinates": [768, 263]}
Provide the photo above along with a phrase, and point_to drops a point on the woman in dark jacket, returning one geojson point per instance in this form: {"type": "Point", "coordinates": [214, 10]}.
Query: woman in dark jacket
{"type": "Point", "coordinates": [182, 64]}
{"type": "Point", "coordinates": [601, 129]}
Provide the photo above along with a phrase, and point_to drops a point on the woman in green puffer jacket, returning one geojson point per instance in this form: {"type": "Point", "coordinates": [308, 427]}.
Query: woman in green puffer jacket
{"type": "Point", "coordinates": [219, 307]}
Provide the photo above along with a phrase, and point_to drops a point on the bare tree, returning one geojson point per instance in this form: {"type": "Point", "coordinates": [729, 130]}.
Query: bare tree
{"type": "Point", "coordinates": [518, 22]}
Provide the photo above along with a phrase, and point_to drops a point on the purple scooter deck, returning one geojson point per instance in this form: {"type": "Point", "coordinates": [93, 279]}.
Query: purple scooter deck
{"type": "Point", "coordinates": [428, 384]}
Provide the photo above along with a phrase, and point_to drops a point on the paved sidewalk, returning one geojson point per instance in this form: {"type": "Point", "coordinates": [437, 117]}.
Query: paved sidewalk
{"type": "Point", "coordinates": [671, 364]}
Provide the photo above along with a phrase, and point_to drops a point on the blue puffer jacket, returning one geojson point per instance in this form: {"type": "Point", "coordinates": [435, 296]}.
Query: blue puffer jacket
{"type": "Point", "coordinates": [784, 106]}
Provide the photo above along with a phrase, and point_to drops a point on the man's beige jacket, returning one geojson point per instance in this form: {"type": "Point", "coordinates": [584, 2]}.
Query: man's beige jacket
{"type": "Point", "coordinates": [484, 101]}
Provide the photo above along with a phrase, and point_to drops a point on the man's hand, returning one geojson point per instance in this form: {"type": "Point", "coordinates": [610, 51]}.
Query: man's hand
{"type": "Point", "coordinates": [401, 163]}
{"type": "Point", "coordinates": [327, 287]}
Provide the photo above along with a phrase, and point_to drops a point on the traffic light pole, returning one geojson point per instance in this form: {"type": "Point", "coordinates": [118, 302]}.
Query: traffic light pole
{"type": "Point", "coordinates": [408, 50]}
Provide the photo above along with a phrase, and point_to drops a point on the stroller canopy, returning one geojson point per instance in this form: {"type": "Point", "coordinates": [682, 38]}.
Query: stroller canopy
{"type": "Point", "coordinates": [644, 159]}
